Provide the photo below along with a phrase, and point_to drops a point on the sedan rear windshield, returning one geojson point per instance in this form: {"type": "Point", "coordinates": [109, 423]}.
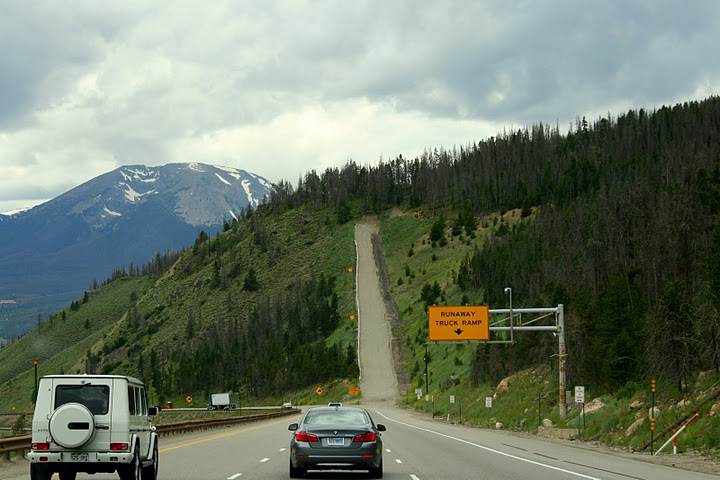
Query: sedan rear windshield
{"type": "Point", "coordinates": [338, 417]}
{"type": "Point", "coordinates": [95, 397]}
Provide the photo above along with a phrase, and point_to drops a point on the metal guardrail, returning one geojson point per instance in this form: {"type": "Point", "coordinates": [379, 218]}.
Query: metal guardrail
{"type": "Point", "coordinates": [14, 444]}
{"type": "Point", "coordinates": [11, 445]}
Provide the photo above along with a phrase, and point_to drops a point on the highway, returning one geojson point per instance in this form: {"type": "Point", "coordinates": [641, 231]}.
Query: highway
{"type": "Point", "coordinates": [416, 448]}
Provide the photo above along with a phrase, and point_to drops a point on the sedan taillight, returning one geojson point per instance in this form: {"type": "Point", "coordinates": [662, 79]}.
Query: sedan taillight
{"type": "Point", "coordinates": [305, 437]}
{"type": "Point", "coordinates": [365, 437]}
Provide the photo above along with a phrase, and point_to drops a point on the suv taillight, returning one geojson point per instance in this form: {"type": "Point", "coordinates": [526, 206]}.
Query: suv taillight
{"type": "Point", "coordinates": [305, 437]}
{"type": "Point", "coordinates": [41, 446]}
{"type": "Point", "coordinates": [119, 446]}
{"type": "Point", "coordinates": [365, 437]}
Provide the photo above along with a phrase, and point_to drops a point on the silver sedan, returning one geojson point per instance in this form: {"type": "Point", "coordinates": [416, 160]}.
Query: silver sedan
{"type": "Point", "coordinates": [336, 438]}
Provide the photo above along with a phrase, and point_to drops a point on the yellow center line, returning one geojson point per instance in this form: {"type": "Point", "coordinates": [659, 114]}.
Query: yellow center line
{"type": "Point", "coordinates": [220, 436]}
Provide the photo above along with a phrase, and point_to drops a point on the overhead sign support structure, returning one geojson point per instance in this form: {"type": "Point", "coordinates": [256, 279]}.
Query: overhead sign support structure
{"type": "Point", "coordinates": [443, 332]}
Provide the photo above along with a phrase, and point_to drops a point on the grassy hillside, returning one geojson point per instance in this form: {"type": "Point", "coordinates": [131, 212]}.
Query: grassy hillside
{"type": "Point", "coordinates": [202, 328]}
{"type": "Point", "coordinates": [61, 342]}
{"type": "Point", "coordinates": [202, 305]}
{"type": "Point", "coordinates": [415, 261]}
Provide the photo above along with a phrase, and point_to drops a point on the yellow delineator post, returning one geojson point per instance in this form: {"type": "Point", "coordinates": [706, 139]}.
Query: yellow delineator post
{"type": "Point", "coordinates": [458, 323]}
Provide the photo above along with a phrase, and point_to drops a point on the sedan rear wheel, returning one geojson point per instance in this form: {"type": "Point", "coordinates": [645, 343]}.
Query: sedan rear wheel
{"type": "Point", "coordinates": [296, 472]}
{"type": "Point", "coordinates": [377, 472]}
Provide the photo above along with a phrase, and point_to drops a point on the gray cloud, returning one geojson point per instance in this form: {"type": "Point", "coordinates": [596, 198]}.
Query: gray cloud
{"type": "Point", "coordinates": [279, 88]}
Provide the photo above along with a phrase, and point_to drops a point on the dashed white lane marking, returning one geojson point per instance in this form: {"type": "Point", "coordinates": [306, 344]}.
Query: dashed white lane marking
{"type": "Point", "coordinates": [398, 460]}
{"type": "Point", "coordinates": [264, 460]}
{"type": "Point", "coordinates": [388, 450]}
{"type": "Point", "coordinates": [233, 477]}
{"type": "Point", "coordinates": [414, 477]}
{"type": "Point", "coordinates": [283, 449]}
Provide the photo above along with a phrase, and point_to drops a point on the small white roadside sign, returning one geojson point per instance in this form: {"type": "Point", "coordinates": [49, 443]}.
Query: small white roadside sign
{"type": "Point", "coordinates": [579, 394]}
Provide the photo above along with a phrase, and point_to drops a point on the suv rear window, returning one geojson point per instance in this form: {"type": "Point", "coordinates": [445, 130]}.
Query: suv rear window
{"type": "Point", "coordinates": [95, 397]}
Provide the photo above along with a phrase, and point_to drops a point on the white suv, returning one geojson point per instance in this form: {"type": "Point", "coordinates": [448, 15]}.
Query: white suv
{"type": "Point", "coordinates": [93, 423]}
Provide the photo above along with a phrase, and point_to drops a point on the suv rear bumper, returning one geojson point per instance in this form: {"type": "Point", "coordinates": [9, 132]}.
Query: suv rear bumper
{"type": "Point", "coordinates": [92, 457]}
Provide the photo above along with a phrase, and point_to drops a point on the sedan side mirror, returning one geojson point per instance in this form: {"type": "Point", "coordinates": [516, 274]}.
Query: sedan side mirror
{"type": "Point", "coordinates": [293, 426]}
{"type": "Point", "coordinates": [381, 427]}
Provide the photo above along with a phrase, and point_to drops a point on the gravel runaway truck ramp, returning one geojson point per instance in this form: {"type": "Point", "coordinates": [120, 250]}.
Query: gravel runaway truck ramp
{"type": "Point", "coordinates": [378, 381]}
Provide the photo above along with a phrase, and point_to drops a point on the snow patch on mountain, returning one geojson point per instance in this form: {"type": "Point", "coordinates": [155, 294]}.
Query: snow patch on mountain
{"type": "Point", "coordinates": [15, 211]}
{"type": "Point", "coordinates": [222, 179]}
{"type": "Point", "coordinates": [132, 195]}
{"type": "Point", "coordinates": [262, 181]}
{"type": "Point", "coordinates": [110, 212]}
{"type": "Point", "coordinates": [147, 176]}
{"type": "Point", "coordinates": [246, 186]}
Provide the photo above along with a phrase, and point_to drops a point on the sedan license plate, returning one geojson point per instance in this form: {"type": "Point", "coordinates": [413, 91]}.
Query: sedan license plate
{"type": "Point", "coordinates": [79, 457]}
{"type": "Point", "coordinates": [336, 442]}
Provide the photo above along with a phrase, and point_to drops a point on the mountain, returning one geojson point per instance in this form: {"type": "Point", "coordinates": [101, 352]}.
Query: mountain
{"type": "Point", "coordinates": [51, 253]}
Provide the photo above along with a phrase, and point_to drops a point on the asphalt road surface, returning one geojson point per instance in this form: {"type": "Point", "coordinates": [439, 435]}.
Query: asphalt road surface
{"type": "Point", "coordinates": [416, 448]}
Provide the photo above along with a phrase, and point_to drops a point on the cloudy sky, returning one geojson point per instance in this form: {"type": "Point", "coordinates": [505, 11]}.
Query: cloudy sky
{"type": "Point", "coordinates": [279, 88]}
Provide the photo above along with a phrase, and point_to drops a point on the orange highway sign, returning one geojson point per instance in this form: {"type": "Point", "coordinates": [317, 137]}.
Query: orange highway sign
{"type": "Point", "coordinates": [458, 323]}
{"type": "Point", "coordinates": [354, 391]}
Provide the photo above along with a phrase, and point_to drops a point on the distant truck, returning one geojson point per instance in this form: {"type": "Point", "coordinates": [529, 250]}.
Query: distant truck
{"type": "Point", "coordinates": [223, 401]}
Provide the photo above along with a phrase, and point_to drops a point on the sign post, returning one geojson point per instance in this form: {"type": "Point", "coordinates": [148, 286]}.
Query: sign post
{"type": "Point", "coordinates": [652, 415]}
{"type": "Point", "coordinates": [488, 405]}
{"type": "Point", "coordinates": [580, 398]}
{"type": "Point", "coordinates": [35, 394]}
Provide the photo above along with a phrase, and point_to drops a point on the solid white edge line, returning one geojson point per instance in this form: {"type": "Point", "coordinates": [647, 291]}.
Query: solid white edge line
{"type": "Point", "coordinates": [492, 450]}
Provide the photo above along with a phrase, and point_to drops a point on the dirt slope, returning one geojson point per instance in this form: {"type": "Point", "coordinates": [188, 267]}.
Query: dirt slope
{"type": "Point", "coordinates": [378, 381]}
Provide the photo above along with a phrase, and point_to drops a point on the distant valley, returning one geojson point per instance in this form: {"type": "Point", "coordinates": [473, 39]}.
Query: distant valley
{"type": "Point", "coordinates": [52, 253]}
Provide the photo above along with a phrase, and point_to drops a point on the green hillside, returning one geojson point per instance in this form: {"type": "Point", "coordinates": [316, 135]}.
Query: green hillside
{"type": "Point", "coordinates": [263, 308]}
{"type": "Point", "coordinates": [60, 343]}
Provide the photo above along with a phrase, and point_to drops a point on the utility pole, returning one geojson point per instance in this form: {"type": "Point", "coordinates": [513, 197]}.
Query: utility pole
{"type": "Point", "coordinates": [35, 363]}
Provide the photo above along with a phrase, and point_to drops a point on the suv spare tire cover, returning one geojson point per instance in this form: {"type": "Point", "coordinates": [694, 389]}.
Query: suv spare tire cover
{"type": "Point", "coordinates": [72, 425]}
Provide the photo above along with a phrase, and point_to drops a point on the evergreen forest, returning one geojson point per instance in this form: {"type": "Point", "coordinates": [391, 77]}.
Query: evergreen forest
{"type": "Point", "coordinates": [625, 232]}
